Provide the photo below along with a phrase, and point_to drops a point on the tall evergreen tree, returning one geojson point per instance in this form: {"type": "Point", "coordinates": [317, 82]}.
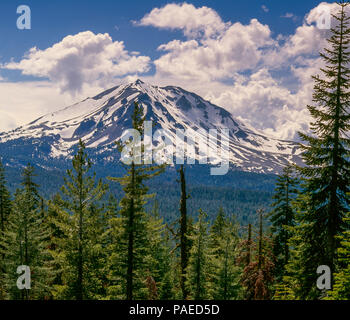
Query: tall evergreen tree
{"type": "Point", "coordinates": [282, 217]}
{"type": "Point", "coordinates": [223, 244]}
{"type": "Point", "coordinates": [132, 243]}
{"type": "Point", "coordinates": [327, 158]}
{"type": "Point", "coordinates": [246, 247]}
{"type": "Point", "coordinates": [183, 233]}
{"type": "Point", "coordinates": [5, 200]}
{"type": "Point", "coordinates": [199, 267]}
{"type": "Point", "coordinates": [160, 263]}
{"type": "Point", "coordinates": [25, 242]}
{"type": "Point", "coordinates": [79, 223]}
{"type": "Point", "coordinates": [5, 210]}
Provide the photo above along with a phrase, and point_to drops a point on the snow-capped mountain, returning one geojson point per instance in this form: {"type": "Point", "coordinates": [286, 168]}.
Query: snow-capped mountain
{"type": "Point", "coordinates": [101, 120]}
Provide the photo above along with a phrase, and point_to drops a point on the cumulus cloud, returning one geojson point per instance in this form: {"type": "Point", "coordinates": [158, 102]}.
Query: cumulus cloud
{"type": "Point", "coordinates": [319, 11]}
{"type": "Point", "coordinates": [214, 49]}
{"type": "Point", "coordinates": [23, 102]}
{"type": "Point", "coordinates": [83, 58]}
{"type": "Point", "coordinates": [7, 122]}
{"type": "Point", "coordinates": [193, 21]}
{"type": "Point", "coordinates": [237, 49]}
{"type": "Point", "coordinates": [308, 38]}
{"type": "Point", "coordinates": [263, 80]}
{"type": "Point", "coordinates": [260, 101]}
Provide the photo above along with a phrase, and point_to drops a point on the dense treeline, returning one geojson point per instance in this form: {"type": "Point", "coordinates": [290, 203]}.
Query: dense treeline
{"type": "Point", "coordinates": [241, 197]}
{"type": "Point", "coordinates": [80, 246]}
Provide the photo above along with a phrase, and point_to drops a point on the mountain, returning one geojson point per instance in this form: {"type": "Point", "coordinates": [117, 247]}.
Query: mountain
{"type": "Point", "coordinates": [101, 120]}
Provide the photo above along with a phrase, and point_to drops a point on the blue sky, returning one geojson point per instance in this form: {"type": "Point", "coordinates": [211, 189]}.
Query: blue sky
{"type": "Point", "coordinates": [254, 58]}
{"type": "Point", "coordinates": [53, 20]}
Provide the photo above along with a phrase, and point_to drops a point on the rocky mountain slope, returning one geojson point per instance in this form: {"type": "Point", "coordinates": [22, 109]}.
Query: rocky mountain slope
{"type": "Point", "coordinates": [101, 120]}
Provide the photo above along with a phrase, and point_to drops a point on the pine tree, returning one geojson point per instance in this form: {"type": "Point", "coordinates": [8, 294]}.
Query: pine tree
{"type": "Point", "coordinates": [5, 200]}
{"type": "Point", "coordinates": [326, 155]}
{"type": "Point", "coordinates": [257, 277]}
{"type": "Point", "coordinates": [5, 210]}
{"type": "Point", "coordinates": [199, 264]}
{"type": "Point", "coordinates": [160, 263]}
{"type": "Point", "coordinates": [283, 291]}
{"type": "Point", "coordinates": [132, 243]}
{"type": "Point", "coordinates": [341, 289]}
{"type": "Point", "coordinates": [182, 236]}
{"type": "Point", "coordinates": [79, 223]}
{"type": "Point", "coordinates": [25, 242]}
{"type": "Point", "coordinates": [183, 233]}
{"type": "Point", "coordinates": [244, 257]}
{"type": "Point", "coordinates": [223, 244]}
{"type": "Point", "coordinates": [282, 217]}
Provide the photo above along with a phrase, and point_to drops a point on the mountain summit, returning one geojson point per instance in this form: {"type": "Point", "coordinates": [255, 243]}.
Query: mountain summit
{"type": "Point", "coordinates": [101, 120]}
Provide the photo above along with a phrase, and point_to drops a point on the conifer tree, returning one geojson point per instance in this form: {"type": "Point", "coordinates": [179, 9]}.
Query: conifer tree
{"type": "Point", "coordinates": [160, 263]}
{"type": "Point", "coordinates": [5, 200]}
{"type": "Point", "coordinates": [199, 267]}
{"type": "Point", "coordinates": [25, 242]}
{"type": "Point", "coordinates": [257, 277]}
{"type": "Point", "coordinates": [182, 236]}
{"type": "Point", "coordinates": [183, 233]}
{"type": "Point", "coordinates": [341, 289]}
{"type": "Point", "coordinates": [79, 222]}
{"type": "Point", "coordinates": [132, 243]}
{"type": "Point", "coordinates": [244, 258]}
{"type": "Point", "coordinates": [282, 217]}
{"type": "Point", "coordinates": [5, 210]}
{"type": "Point", "coordinates": [326, 153]}
{"type": "Point", "coordinates": [223, 243]}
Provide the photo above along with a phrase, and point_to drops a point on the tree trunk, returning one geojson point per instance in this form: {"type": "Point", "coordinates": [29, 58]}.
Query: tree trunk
{"type": "Point", "coordinates": [183, 233]}
{"type": "Point", "coordinates": [130, 260]}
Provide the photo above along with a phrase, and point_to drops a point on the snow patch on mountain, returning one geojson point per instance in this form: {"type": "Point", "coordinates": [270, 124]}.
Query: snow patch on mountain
{"type": "Point", "coordinates": [101, 120]}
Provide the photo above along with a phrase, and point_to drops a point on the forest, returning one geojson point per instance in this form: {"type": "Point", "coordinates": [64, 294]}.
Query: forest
{"type": "Point", "coordinates": [84, 243]}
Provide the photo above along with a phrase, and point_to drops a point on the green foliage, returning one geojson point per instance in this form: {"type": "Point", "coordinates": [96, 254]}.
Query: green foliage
{"type": "Point", "coordinates": [5, 200]}
{"type": "Point", "coordinates": [257, 277]}
{"type": "Point", "coordinates": [223, 244]}
{"type": "Point", "coordinates": [79, 222]}
{"type": "Point", "coordinates": [198, 278]}
{"type": "Point", "coordinates": [25, 242]}
{"type": "Point", "coordinates": [102, 248]}
{"type": "Point", "coordinates": [161, 261]}
{"type": "Point", "coordinates": [323, 203]}
{"type": "Point", "coordinates": [5, 211]}
{"type": "Point", "coordinates": [283, 291]}
{"type": "Point", "coordinates": [131, 244]}
{"type": "Point", "coordinates": [282, 217]}
{"type": "Point", "coordinates": [341, 288]}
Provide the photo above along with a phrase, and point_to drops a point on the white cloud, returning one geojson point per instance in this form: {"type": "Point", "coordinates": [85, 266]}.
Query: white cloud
{"type": "Point", "coordinates": [263, 80]}
{"type": "Point", "coordinates": [23, 102]}
{"type": "Point", "coordinates": [193, 21]}
{"type": "Point", "coordinates": [7, 122]}
{"type": "Point", "coordinates": [234, 66]}
{"type": "Point", "coordinates": [291, 16]}
{"type": "Point", "coordinates": [263, 103]}
{"type": "Point", "coordinates": [265, 9]}
{"type": "Point", "coordinates": [288, 15]}
{"type": "Point", "coordinates": [236, 49]}
{"type": "Point", "coordinates": [319, 11]}
{"type": "Point", "coordinates": [83, 58]}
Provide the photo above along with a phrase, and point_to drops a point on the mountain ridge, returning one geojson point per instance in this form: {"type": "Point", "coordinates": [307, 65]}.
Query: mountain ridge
{"type": "Point", "coordinates": [101, 120]}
